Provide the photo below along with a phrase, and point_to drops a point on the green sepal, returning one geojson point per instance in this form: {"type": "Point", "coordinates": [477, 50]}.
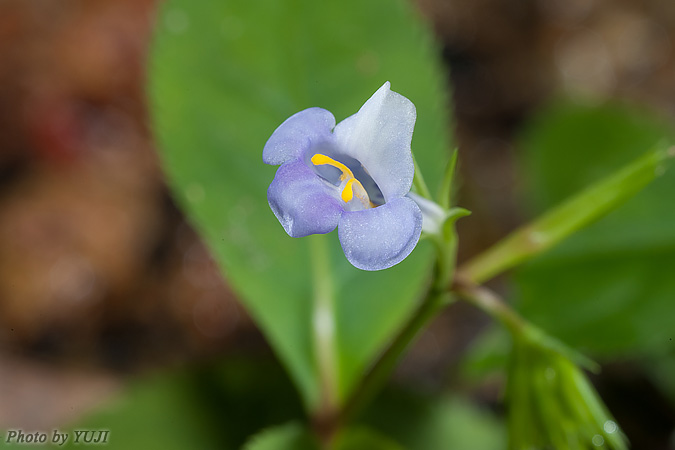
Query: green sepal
{"type": "Point", "coordinates": [452, 216]}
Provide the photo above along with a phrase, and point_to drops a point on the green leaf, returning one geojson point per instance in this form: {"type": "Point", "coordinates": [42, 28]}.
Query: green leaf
{"type": "Point", "coordinates": [608, 289]}
{"type": "Point", "coordinates": [223, 76]}
{"type": "Point", "coordinates": [291, 436]}
{"type": "Point", "coordinates": [551, 403]}
{"type": "Point", "coordinates": [364, 438]}
{"type": "Point", "coordinates": [486, 357]}
{"type": "Point", "coordinates": [425, 421]}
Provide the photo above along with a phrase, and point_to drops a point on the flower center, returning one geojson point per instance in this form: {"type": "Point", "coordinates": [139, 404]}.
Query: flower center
{"type": "Point", "coordinates": [350, 185]}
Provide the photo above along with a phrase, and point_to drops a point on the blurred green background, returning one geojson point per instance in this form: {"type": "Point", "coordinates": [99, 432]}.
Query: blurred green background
{"type": "Point", "coordinates": [113, 313]}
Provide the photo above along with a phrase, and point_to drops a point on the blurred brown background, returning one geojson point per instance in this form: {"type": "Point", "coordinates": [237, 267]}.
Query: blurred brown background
{"type": "Point", "coordinates": [100, 275]}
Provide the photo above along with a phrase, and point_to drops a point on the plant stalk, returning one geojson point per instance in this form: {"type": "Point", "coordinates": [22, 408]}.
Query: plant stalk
{"type": "Point", "coordinates": [434, 301]}
{"type": "Point", "coordinates": [570, 216]}
{"type": "Point", "coordinates": [489, 302]}
{"type": "Point", "coordinates": [325, 346]}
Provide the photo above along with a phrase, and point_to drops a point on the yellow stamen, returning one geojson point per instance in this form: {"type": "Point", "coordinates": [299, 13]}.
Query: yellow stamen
{"type": "Point", "coordinates": [319, 160]}
{"type": "Point", "coordinates": [348, 191]}
{"type": "Point", "coordinates": [352, 186]}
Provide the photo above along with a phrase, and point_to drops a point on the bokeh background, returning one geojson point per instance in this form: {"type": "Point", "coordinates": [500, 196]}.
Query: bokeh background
{"type": "Point", "coordinates": [103, 281]}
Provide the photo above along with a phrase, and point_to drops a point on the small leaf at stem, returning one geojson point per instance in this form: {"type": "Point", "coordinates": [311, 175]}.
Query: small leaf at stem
{"type": "Point", "coordinates": [419, 185]}
{"type": "Point", "coordinates": [445, 190]}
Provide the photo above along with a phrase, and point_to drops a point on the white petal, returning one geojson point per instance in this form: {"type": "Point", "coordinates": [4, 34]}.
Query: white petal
{"type": "Point", "coordinates": [379, 136]}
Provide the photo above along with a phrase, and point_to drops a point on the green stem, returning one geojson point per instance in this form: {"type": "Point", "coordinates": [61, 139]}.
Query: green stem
{"type": "Point", "coordinates": [519, 327]}
{"type": "Point", "coordinates": [373, 380]}
{"type": "Point", "coordinates": [488, 301]}
{"type": "Point", "coordinates": [436, 298]}
{"type": "Point", "coordinates": [323, 327]}
{"type": "Point", "coordinates": [446, 246]}
{"type": "Point", "coordinates": [572, 215]}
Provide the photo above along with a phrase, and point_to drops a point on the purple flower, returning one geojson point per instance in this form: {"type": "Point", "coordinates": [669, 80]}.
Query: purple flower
{"type": "Point", "coordinates": [354, 176]}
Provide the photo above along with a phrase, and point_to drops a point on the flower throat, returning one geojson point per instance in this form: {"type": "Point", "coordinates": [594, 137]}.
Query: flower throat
{"type": "Point", "coordinates": [348, 183]}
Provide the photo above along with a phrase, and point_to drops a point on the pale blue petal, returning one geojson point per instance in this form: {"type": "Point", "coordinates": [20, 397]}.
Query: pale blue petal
{"type": "Point", "coordinates": [379, 136]}
{"type": "Point", "coordinates": [378, 238]}
{"type": "Point", "coordinates": [300, 131]}
{"type": "Point", "coordinates": [302, 202]}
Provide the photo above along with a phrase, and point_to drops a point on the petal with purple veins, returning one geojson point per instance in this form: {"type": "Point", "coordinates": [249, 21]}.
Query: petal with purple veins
{"type": "Point", "coordinates": [302, 202]}
{"type": "Point", "coordinates": [300, 131]}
